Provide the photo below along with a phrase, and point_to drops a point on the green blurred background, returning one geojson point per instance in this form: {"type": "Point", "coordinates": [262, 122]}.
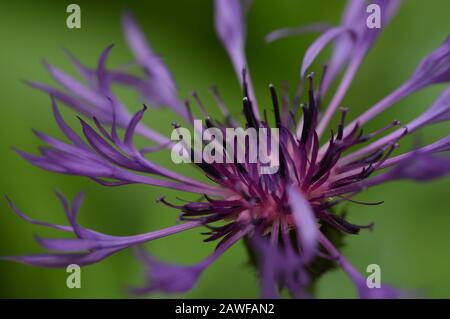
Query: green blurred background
{"type": "Point", "coordinates": [411, 237]}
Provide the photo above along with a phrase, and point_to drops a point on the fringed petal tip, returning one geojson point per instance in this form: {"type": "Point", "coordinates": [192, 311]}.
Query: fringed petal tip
{"type": "Point", "coordinates": [417, 165]}
{"type": "Point", "coordinates": [170, 278]}
{"type": "Point", "coordinates": [287, 32]}
{"type": "Point", "coordinates": [435, 67]}
{"type": "Point", "coordinates": [166, 278]}
{"type": "Point", "coordinates": [61, 260]}
{"type": "Point", "coordinates": [73, 250]}
{"type": "Point", "coordinates": [159, 85]}
{"type": "Point", "coordinates": [365, 289]}
{"type": "Point", "coordinates": [279, 268]}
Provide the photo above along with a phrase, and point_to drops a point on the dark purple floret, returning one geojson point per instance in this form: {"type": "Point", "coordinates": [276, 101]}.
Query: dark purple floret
{"type": "Point", "coordinates": [288, 220]}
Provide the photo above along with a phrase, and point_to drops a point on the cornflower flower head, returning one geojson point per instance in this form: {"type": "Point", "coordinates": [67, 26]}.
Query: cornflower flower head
{"type": "Point", "coordinates": [286, 218]}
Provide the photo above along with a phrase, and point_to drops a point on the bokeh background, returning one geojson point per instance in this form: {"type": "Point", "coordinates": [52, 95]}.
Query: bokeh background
{"type": "Point", "coordinates": [411, 236]}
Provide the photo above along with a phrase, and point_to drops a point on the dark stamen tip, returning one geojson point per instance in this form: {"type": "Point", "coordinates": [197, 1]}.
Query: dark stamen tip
{"type": "Point", "coordinates": [80, 119]}
{"type": "Point", "coordinates": [405, 130]}
{"type": "Point", "coordinates": [214, 89]}
{"type": "Point", "coordinates": [175, 124]}
{"type": "Point", "coordinates": [310, 80]}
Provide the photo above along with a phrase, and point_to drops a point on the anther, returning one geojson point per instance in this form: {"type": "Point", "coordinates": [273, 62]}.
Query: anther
{"type": "Point", "coordinates": [175, 125]}
{"type": "Point", "coordinates": [276, 107]}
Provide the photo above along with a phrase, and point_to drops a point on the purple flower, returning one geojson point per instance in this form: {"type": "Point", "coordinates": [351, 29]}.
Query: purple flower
{"type": "Point", "coordinates": [284, 218]}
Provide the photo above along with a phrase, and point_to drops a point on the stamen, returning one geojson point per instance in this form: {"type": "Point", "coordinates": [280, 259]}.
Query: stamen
{"type": "Point", "coordinates": [393, 137]}
{"type": "Point", "coordinates": [309, 113]}
{"type": "Point", "coordinates": [306, 123]}
{"type": "Point", "coordinates": [266, 122]}
{"type": "Point", "coordinates": [312, 101]}
{"type": "Point", "coordinates": [175, 125]}
{"type": "Point", "coordinates": [223, 108]}
{"type": "Point", "coordinates": [320, 89]}
{"type": "Point", "coordinates": [189, 112]}
{"type": "Point", "coordinates": [340, 134]}
{"type": "Point", "coordinates": [209, 123]}
{"type": "Point", "coordinates": [220, 103]}
{"type": "Point", "coordinates": [244, 83]}
{"type": "Point", "coordinates": [163, 200]}
{"type": "Point", "coordinates": [361, 202]}
{"type": "Point", "coordinates": [199, 103]}
{"type": "Point", "coordinates": [298, 93]}
{"type": "Point", "coordinates": [248, 113]}
{"type": "Point", "coordinates": [387, 155]}
{"type": "Point", "coordinates": [310, 77]}
{"type": "Point", "coordinates": [379, 131]}
{"type": "Point", "coordinates": [248, 92]}
{"type": "Point", "coordinates": [276, 107]}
